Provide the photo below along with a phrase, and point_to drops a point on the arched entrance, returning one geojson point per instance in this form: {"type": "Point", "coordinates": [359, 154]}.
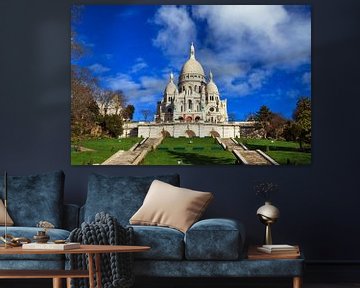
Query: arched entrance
{"type": "Point", "coordinates": [165, 133]}
{"type": "Point", "coordinates": [189, 119]}
{"type": "Point", "coordinates": [190, 133]}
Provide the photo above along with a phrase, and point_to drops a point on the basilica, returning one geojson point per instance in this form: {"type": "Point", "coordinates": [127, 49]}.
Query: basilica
{"type": "Point", "coordinates": [192, 108]}
{"type": "Point", "coordinates": [193, 99]}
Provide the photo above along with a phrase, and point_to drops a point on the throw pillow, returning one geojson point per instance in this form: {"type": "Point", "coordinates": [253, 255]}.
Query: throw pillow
{"type": "Point", "coordinates": [170, 206]}
{"type": "Point", "coordinates": [9, 221]}
{"type": "Point", "coordinates": [120, 196]}
{"type": "Point", "coordinates": [35, 198]}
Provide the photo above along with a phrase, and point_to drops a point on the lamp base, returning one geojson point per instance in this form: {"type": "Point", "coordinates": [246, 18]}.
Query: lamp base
{"type": "Point", "coordinates": [268, 237]}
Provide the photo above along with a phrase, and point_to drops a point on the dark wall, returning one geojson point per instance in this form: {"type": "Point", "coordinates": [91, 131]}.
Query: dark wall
{"type": "Point", "coordinates": [318, 203]}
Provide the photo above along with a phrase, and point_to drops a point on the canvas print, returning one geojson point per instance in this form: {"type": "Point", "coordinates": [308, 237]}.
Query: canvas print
{"type": "Point", "coordinates": [191, 85]}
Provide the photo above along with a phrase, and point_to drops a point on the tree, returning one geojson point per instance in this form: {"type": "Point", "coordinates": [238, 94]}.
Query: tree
{"type": "Point", "coordinates": [77, 49]}
{"type": "Point", "coordinates": [263, 117]}
{"type": "Point", "coordinates": [302, 118]}
{"type": "Point", "coordinates": [84, 109]}
{"type": "Point", "coordinates": [276, 125]}
{"type": "Point", "coordinates": [128, 112]}
{"type": "Point", "coordinates": [113, 125]}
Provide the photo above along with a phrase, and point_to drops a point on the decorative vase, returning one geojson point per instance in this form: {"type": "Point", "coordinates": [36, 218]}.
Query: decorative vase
{"type": "Point", "coordinates": [268, 214]}
{"type": "Point", "coordinates": [41, 237]}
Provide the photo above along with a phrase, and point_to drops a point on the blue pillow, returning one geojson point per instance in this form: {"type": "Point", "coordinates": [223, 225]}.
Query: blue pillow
{"type": "Point", "coordinates": [120, 196]}
{"type": "Point", "coordinates": [35, 198]}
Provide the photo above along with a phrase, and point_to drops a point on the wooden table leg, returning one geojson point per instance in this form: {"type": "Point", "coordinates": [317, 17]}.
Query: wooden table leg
{"type": "Point", "coordinates": [91, 270]}
{"type": "Point", "coordinates": [98, 270]}
{"type": "Point", "coordinates": [57, 283]}
{"type": "Point", "coordinates": [297, 282]}
{"type": "Point", "coordinates": [68, 282]}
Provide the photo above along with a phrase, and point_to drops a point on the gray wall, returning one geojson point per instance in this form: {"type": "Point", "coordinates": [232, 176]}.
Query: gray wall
{"type": "Point", "coordinates": [318, 203]}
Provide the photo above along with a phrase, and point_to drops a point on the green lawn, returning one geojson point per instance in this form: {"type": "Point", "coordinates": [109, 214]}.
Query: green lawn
{"type": "Point", "coordinates": [180, 151]}
{"type": "Point", "coordinates": [103, 149]}
{"type": "Point", "coordinates": [283, 152]}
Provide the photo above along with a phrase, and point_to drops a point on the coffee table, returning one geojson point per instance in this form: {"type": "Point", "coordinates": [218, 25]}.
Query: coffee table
{"type": "Point", "coordinates": [94, 267]}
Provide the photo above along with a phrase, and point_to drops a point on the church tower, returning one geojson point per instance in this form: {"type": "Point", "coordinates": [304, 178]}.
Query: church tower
{"type": "Point", "coordinates": [193, 100]}
{"type": "Point", "coordinates": [166, 106]}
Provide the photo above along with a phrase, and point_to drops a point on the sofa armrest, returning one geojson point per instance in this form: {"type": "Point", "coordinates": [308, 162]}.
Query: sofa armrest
{"type": "Point", "coordinates": [71, 216]}
{"type": "Point", "coordinates": [215, 239]}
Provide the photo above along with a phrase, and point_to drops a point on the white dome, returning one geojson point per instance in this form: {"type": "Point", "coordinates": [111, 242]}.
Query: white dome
{"type": "Point", "coordinates": [171, 87]}
{"type": "Point", "coordinates": [211, 86]}
{"type": "Point", "coordinates": [192, 66]}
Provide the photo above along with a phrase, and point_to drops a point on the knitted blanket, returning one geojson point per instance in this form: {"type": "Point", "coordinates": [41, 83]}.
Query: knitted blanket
{"type": "Point", "coordinates": [116, 268]}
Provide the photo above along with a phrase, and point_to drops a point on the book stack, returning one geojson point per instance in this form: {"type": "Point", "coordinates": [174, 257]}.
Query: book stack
{"type": "Point", "coordinates": [279, 249]}
{"type": "Point", "coordinates": [51, 246]}
{"type": "Point", "coordinates": [273, 252]}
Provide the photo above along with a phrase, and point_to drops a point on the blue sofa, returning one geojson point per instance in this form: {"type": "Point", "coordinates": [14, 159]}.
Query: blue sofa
{"type": "Point", "coordinates": [210, 248]}
{"type": "Point", "coordinates": [32, 199]}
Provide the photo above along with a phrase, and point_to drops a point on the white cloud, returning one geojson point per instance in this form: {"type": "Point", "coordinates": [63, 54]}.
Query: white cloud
{"type": "Point", "coordinates": [292, 93]}
{"type": "Point", "coordinates": [266, 34]}
{"type": "Point", "coordinates": [98, 68]}
{"type": "Point", "coordinates": [177, 30]}
{"type": "Point", "coordinates": [138, 66]}
{"type": "Point", "coordinates": [306, 78]}
{"type": "Point", "coordinates": [241, 44]}
{"type": "Point", "coordinates": [139, 92]}
{"type": "Point", "coordinates": [121, 82]}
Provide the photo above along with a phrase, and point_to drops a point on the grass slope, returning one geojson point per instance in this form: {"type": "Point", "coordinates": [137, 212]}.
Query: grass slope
{"type": "Point", "coordinates": [185, 151]}
{"type": "Point", "coordinates": [102, 149]}
{"type": "Point", "coordinates": [283, 152]}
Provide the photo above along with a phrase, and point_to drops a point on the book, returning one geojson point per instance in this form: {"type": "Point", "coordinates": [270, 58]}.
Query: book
{"type": "Point", "coordinates": [51, 246]}
{"type": "Point", "coordinates": [255, 254]}
{"type": "Point", "coordinates": [277, 249]}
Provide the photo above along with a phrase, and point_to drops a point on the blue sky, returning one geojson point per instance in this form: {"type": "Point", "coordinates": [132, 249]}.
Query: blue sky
{"type": "Point", "coordinates": [258, 54]}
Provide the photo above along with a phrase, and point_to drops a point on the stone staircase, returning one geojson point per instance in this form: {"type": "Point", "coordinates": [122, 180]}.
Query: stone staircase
{"type": "Point", "coordinates": [244, 155]}
{"type": "Point", "coordinates": [135, 154]}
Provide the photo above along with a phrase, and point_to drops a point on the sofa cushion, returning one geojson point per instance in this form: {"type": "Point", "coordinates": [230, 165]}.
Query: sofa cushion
{"type": "Point", "coordinates": [214, 239]}
{"type": "Point", "coordinates": [165, 243]}
{"type": "Point", "coordinates": [35, 198]}
{"type": "Point", "coordinates": [169, 206]}
{"type": "Point", "coordinates": [9, 221]}
{"type": "Point", "coordinates": [29, 232]}
{"type": "Point", "coordinates": [120, 196]}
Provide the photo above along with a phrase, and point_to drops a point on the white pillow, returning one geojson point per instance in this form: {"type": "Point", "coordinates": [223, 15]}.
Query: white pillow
{"type": "Point", "coordinates": [170, 206]}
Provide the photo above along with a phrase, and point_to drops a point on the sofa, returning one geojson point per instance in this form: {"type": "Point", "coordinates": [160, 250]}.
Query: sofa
{"type": "Point", "coordinates": [209, 248]}
{"type": "Point", "coordinates": [32, 199]}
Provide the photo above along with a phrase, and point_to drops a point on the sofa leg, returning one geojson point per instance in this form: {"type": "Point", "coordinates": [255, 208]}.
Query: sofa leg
{"type": "Point", "coordinates": [68, 282]}
{"type": "Point", "coordinates": [297, 282]}
{"type": "Point", "coordinates": [57, 283]}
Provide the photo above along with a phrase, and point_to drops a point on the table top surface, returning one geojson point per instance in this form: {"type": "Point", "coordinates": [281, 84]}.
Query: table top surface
{"type": "Point", "coordinates": [254, 254]}
{"type": "Point", "coordinates": [91, 249]}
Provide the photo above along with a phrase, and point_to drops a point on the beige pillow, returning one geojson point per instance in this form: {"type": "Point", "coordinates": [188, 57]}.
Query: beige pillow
{"type": "Point", "coordinates": [9, 221]}
{"type": "Point", "coordinates": [170, 206]}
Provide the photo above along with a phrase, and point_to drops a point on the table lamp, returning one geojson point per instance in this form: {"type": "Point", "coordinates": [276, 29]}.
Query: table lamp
{"type": "Point", "coordinates": [268, 214]}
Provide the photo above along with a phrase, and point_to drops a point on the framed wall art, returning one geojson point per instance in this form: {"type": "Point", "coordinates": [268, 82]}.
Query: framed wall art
{"type": "Point", "coordinates": [191, 85]}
